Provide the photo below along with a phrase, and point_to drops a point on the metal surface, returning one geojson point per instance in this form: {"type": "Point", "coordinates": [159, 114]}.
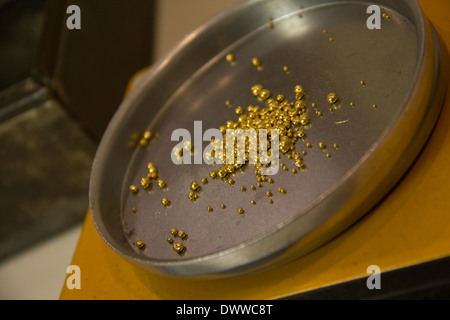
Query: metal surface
{"type": "Point", "coordinates": [400, 66]}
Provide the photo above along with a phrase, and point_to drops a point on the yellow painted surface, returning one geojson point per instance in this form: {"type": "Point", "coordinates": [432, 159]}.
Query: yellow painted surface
{"type": "Point", "coordinates": [411, 225]}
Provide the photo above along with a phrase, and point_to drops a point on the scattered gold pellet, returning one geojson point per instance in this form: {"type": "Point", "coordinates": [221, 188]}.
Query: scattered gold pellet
{"type": "Point", "coordinates": [304, 119]}
{"type": "Point", "coordinates": [336, 146]}
{"type": "Point", "coordinates": [374, 106]}
{"type": "Point", "coordinates": [328, 155]}
{"type": "Point", "coordinates": [363, 83]}
{"type": "Point", "coordinates": [133, 189]}
{"type": "Point", "coordinates": [192, 196]}
{"type": "Point", "coordinates": [322, 145]}
{"type": "Point", "coordinates": [241, 211]}
{"type": "Point", "coordinates": [332, 98]}
{"type": "Point", "coordinates": [259, 185]}
{"type": "Point", "coordinates": [308, 145]}
{"type": "Point", "coordinates": [170, 240]}
{"type": "Point", "coordinates": [145, 182]}
{"type": "Point", "coordinates": [270, 180]}
{"type": "Point", "coordinates": [143, 142]}
{"type": "Point", "coordinates": [253, 202]}
{"type": "Point", "coordinates": [222, 206]}
{"type": "Point", "coordinates": [165, 202]}
{"type": "Point", "coordinates": [140, 244]}
{"type": "Point", "coordinates": [194, 186]}
{"type": "Point", "coordinates": [162, 184]}
{"type": "Point", "coordinates": [324, 31]}
{"type": "Point", "coordinates": [210, 209]}
{"type": "Point", "coordinates": [178, 247]}
{"type": "Point", "coordinates": [256, 62]}
{"type": "Point", "coordinates": [239, 110]}
{"type": "Point", "coordinates": [294, 170]}
{"type": "Point", "coordinates": [228, 102]}
{"type": "Point", "coordinates": [243, 189]}
{"type": "Point", "coordinates": [264, 94]}
{"type": "Point", "coordinates": [204, 181]}
{"type": "Point", "coordinates": [286, 69]}
{"type": "Point", "coordinates": [133, 210]}
{"type": "Point", "coordinates": [252, 187]}
{"type": "Point", "coordinates": [147, 135]}
{"type": "Point", "coordinates": [352, 104]}
{"type": "Point", "coordinates": [385, 16]}
{"type": "Point", "coordinates": [281, 190]}
{"type": "Point", "coordinates": [181, 234]}
{"type": "Point", "coordinates": [268, 193]}
{"type": "Point", "coordinates": [213, 174]}
{"type": "Point", "coordinates": [230, 58]}
{"type": "Point", "coordinates": [230, 182]}
{"type": "Point", "coordinates": [331, 39]}
{"type": "Point", "coordinates": [174, 231]}
{"type": "Point", "coordinates": [270, 201]}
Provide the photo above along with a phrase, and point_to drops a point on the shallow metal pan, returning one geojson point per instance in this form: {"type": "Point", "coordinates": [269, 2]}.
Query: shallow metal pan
{"type": "Point", "coordinates": [390, 85]}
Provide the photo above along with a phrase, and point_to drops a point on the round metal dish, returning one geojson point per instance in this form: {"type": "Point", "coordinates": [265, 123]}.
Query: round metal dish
{"type": "Point", "coordinates": [389, 82]}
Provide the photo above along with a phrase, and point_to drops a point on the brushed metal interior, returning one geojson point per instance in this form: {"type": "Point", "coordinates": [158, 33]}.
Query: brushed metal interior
{"type": "Point", "coordinates": [401, 66]}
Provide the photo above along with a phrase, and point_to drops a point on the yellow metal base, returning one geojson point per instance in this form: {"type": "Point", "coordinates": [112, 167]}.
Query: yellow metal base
{"type": "Point", "coordinates": [411, 225]}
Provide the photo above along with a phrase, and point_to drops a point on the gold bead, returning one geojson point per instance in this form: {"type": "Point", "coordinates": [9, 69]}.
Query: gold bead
{"type": "Point", "coordinates": [222, 206]}
{"type": "Point", "coordinates": [268, 193]}
{"type": "Point", "coordinates": [256, 62]}
{"type": "Point", "coordinates": [239, 110]}
{"type": "Point", "coordinates": [230, 58]}
{"type": "Point", "coordinates": [298, 89]}
{"type": "Point", "coordinates": [143, 142]}
{"type": "Point", "coordinates": [332, 98]}
{"type": "Point", "coordinates": [322, 145]}
{"type": "Point", "coordinates": [252, 187]}
{"type": "Point", "coordinates": [256, 89]}
{"type": "Point", "coordinates": [363, 83]}
{"type": "Point", "coordinates": [192, 196]}
{"type": "Point", "coordinates": [253, 202]}
{"type": "Point", "coordinates": [170, 240]}
{"type": "Point", "coordinates": [213, 174]}
{"type": "Point", "coordinates": [264, 94]}
{"type": "Point", "coordinates": [194, 185]}
{"type": "Point", "coordinates": [281, 190]}
{"type": "Point", "coordinates": [140, 244]}
{"type": "Point", "coordinates": [243, 189]}
{"type": "Point", "coordinates": [241, 211]}
{"type": "Point", "coordinates": [286, 69]}
{"type": "Point", "coordinates": [145, 182]}
{"type": "Point", "coordinates": [204, 180]}
{"type": "Point", "coordinates": [165, 202]}
{"type": "Point", "coordinates": [231, 182]}
{"type": "Point", "coordinates": [304, 119]}
{"type": "Point", "coordinates": [174, 231]}
{"type": "Point", "coordinates": [328, 155]}
{"type": "Point", "coordinates": [330, 39]}
{"type": "Point", "coordinates": [178, 247]}
{"type": "Point", "coordinates": [134, 189]}
{"type": "Point", "coordinates": [210, 209]}
{"type": "Point", "coordinates": [181, 234]}
{"type": "Point", "coordinates": [336, 146]}
{"type": "Point", "coordinates": [133, 210]}
{"type": "Point", "coordinates": [147, 135]}
{"type": "Point", "coordinates": [162, 184]}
